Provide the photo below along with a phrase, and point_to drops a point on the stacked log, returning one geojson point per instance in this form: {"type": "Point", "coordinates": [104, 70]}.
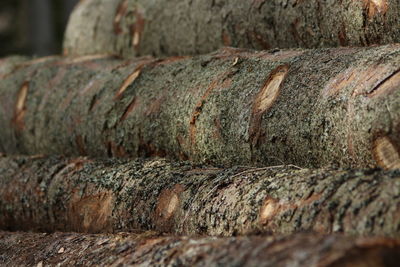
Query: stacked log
{"type": "Point", "coordinates": [149, 249]}
{"type": "Point", "coordinates": [310, 108]}
{"type": "Point", "coordinates": [184, 27]}
{"type": "Point", "coordinates": [98, 196]}
{"type": "Point", "coordinates": [236, 157]}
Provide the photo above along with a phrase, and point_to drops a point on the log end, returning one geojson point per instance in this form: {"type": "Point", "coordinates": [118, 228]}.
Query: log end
{"type": "Point", "coordinates": [386, 153]}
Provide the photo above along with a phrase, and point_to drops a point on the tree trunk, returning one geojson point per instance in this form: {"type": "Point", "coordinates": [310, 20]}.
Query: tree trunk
{"type": "Point", "coordinates": [150, 249]}
{"type": "Point", "coordinates": [304, 107]}
{"type": "Point", "coordinates": [56, 194]}
{"type": "Point", "coordinates": [182, 27]}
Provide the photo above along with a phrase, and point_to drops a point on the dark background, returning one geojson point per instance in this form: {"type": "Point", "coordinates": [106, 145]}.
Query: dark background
{"type": "Point", "coordinates": [33, 27]}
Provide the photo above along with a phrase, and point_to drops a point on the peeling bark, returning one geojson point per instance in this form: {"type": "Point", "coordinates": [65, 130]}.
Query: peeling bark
{"type": "Point", "coordinates": [150, 249]}
{"type": "Point", "coordinates": [183, 27]}
{"type": "Point", "coordinates": [310, 108]}
{"type": "Point", "coordinates": [82, 195]}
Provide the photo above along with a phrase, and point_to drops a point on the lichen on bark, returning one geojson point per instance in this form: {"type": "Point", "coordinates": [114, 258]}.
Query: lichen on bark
{"type": "Point", "coordinates": [183, 27]}
{"type": "Point", "coordinates": [78, 194]}
{"type": "Point", "coordinates": [310, 108]}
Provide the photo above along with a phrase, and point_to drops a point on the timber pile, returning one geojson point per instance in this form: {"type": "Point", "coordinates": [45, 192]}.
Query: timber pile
{"type": "Point", "coordinates": [226, 156]}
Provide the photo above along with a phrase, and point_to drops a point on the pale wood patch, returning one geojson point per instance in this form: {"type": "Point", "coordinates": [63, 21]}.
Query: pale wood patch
{"type": "Point", "coordinates": [386, 153]}
{"type": "Point", "coordinates": [20, 106]}
{"type": "Point", "coordinates": [128, 81]}
{"type": "Point", "coordinates": [91, 213]}
{"type": "Point", "coordinates": [375, 7]}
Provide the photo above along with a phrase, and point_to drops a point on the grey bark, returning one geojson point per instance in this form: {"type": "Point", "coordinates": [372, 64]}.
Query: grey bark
{"type": "Point", "coordinates": [149, 249]}
{"type": "Point", "coordinates": [57, 194]}
{"type": "Point", "coordinates": [305, 107]}
{"type": "Point", "coordinates": [183, 27]}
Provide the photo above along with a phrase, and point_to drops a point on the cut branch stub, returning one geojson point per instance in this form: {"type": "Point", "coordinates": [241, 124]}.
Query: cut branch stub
{"type": "Point", "coordinates": [20, 107]}
{"type": "Point", "coordinates": [137, 28]}
{"type": "Point", "coordinates": [270, 91]}
{"type": "Point", "coordinates": [265, 99]}
{"type": "Point", "coordinates": [268, 210]}
{"type": "Point", "coordinates": [131, 78]}
{"type": "Point", "coordinates": [387, 86]}
{"type": "Point", "coordinates": [376, 6]}
{"type": "Point", "coordinates": [386, 153]}
{"type": "Point", "coordinates": [92, 213]}
{"type": "Point", "coordinates": [168, 204]}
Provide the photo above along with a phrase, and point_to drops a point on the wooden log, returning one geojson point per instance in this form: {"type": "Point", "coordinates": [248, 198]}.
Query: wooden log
{"type": "Point", "coordinates": [81, 195]}
{"type": "Point", "coordinates": [183, 27]}
{"type": "Point", "coordinates": [310, 108]}
{"type": "Point", "coordinates": [150, 249]}
{"type": "Point", "coordinates": [9, 64]}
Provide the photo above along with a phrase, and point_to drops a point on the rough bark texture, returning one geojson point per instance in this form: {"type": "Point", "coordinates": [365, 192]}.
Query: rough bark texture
{"type": "Point", "coordinates": [56, 194]}
{"type": "Point", "coordinates": [9, 64]}
{"type": "Point", "coordinates": [308, 108]}
{"type": "Point", "coordinates": [182, 27]}
{"type": "Point", "coordinates": [150, 249]}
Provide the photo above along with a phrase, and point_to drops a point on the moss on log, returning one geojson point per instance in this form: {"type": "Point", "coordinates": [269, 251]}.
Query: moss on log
{"type": "Point", "coordinates": [57, 194]}
{"type": "Point", "coordinates": [150, 249]}
{"type": "Point", "coordinates": [183, 27]}
{"type": "Point", "coordinates": [304, 107]}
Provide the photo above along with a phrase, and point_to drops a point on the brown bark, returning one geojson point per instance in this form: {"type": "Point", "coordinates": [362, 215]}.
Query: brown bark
{"type": "Point", "coordinates": [149, 249]}
{"type": "Point", "coordinates": [182, 27]}
{"type": "Point", "coordinates": [304, 107]}
{"type": "Point", "coordinates": [56, 194]}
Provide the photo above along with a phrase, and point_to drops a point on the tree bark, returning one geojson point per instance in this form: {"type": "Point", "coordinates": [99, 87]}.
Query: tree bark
{"type": "Point", "coordinates": [150, 249]}
{"type": "Point", "coordinates": [304, 107]}
{"type": "Point", "coordinates": [11, 63]}
{"type": "Point", "coordinates": [183, 27]}
{"type": "Point", "coordinates": [81, 195]}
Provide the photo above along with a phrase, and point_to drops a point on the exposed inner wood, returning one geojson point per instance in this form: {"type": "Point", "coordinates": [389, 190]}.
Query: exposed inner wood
{"type": "Point", "coordinates": [131, 78]}
{"type": "Point", "coordinates": [20, 105]}
{"type": "Point", "coordinates": [386, 153]}
{"type": "Point", "coordinates": [376, 6]}
{"type": "Point", "coordinates": [387, 86]}
{"type": "Point", "coordinates": [150, 248]}
{"type": "Point", "coordinates": [270, 91]}
{"type": "Point", "coordinates": [268, 210]}
{"type": "Point", "coordinates": [91, 214]}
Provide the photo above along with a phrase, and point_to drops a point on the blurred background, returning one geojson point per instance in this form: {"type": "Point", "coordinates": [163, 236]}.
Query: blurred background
{"type": "Point", "coordinates": [33, 27]}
